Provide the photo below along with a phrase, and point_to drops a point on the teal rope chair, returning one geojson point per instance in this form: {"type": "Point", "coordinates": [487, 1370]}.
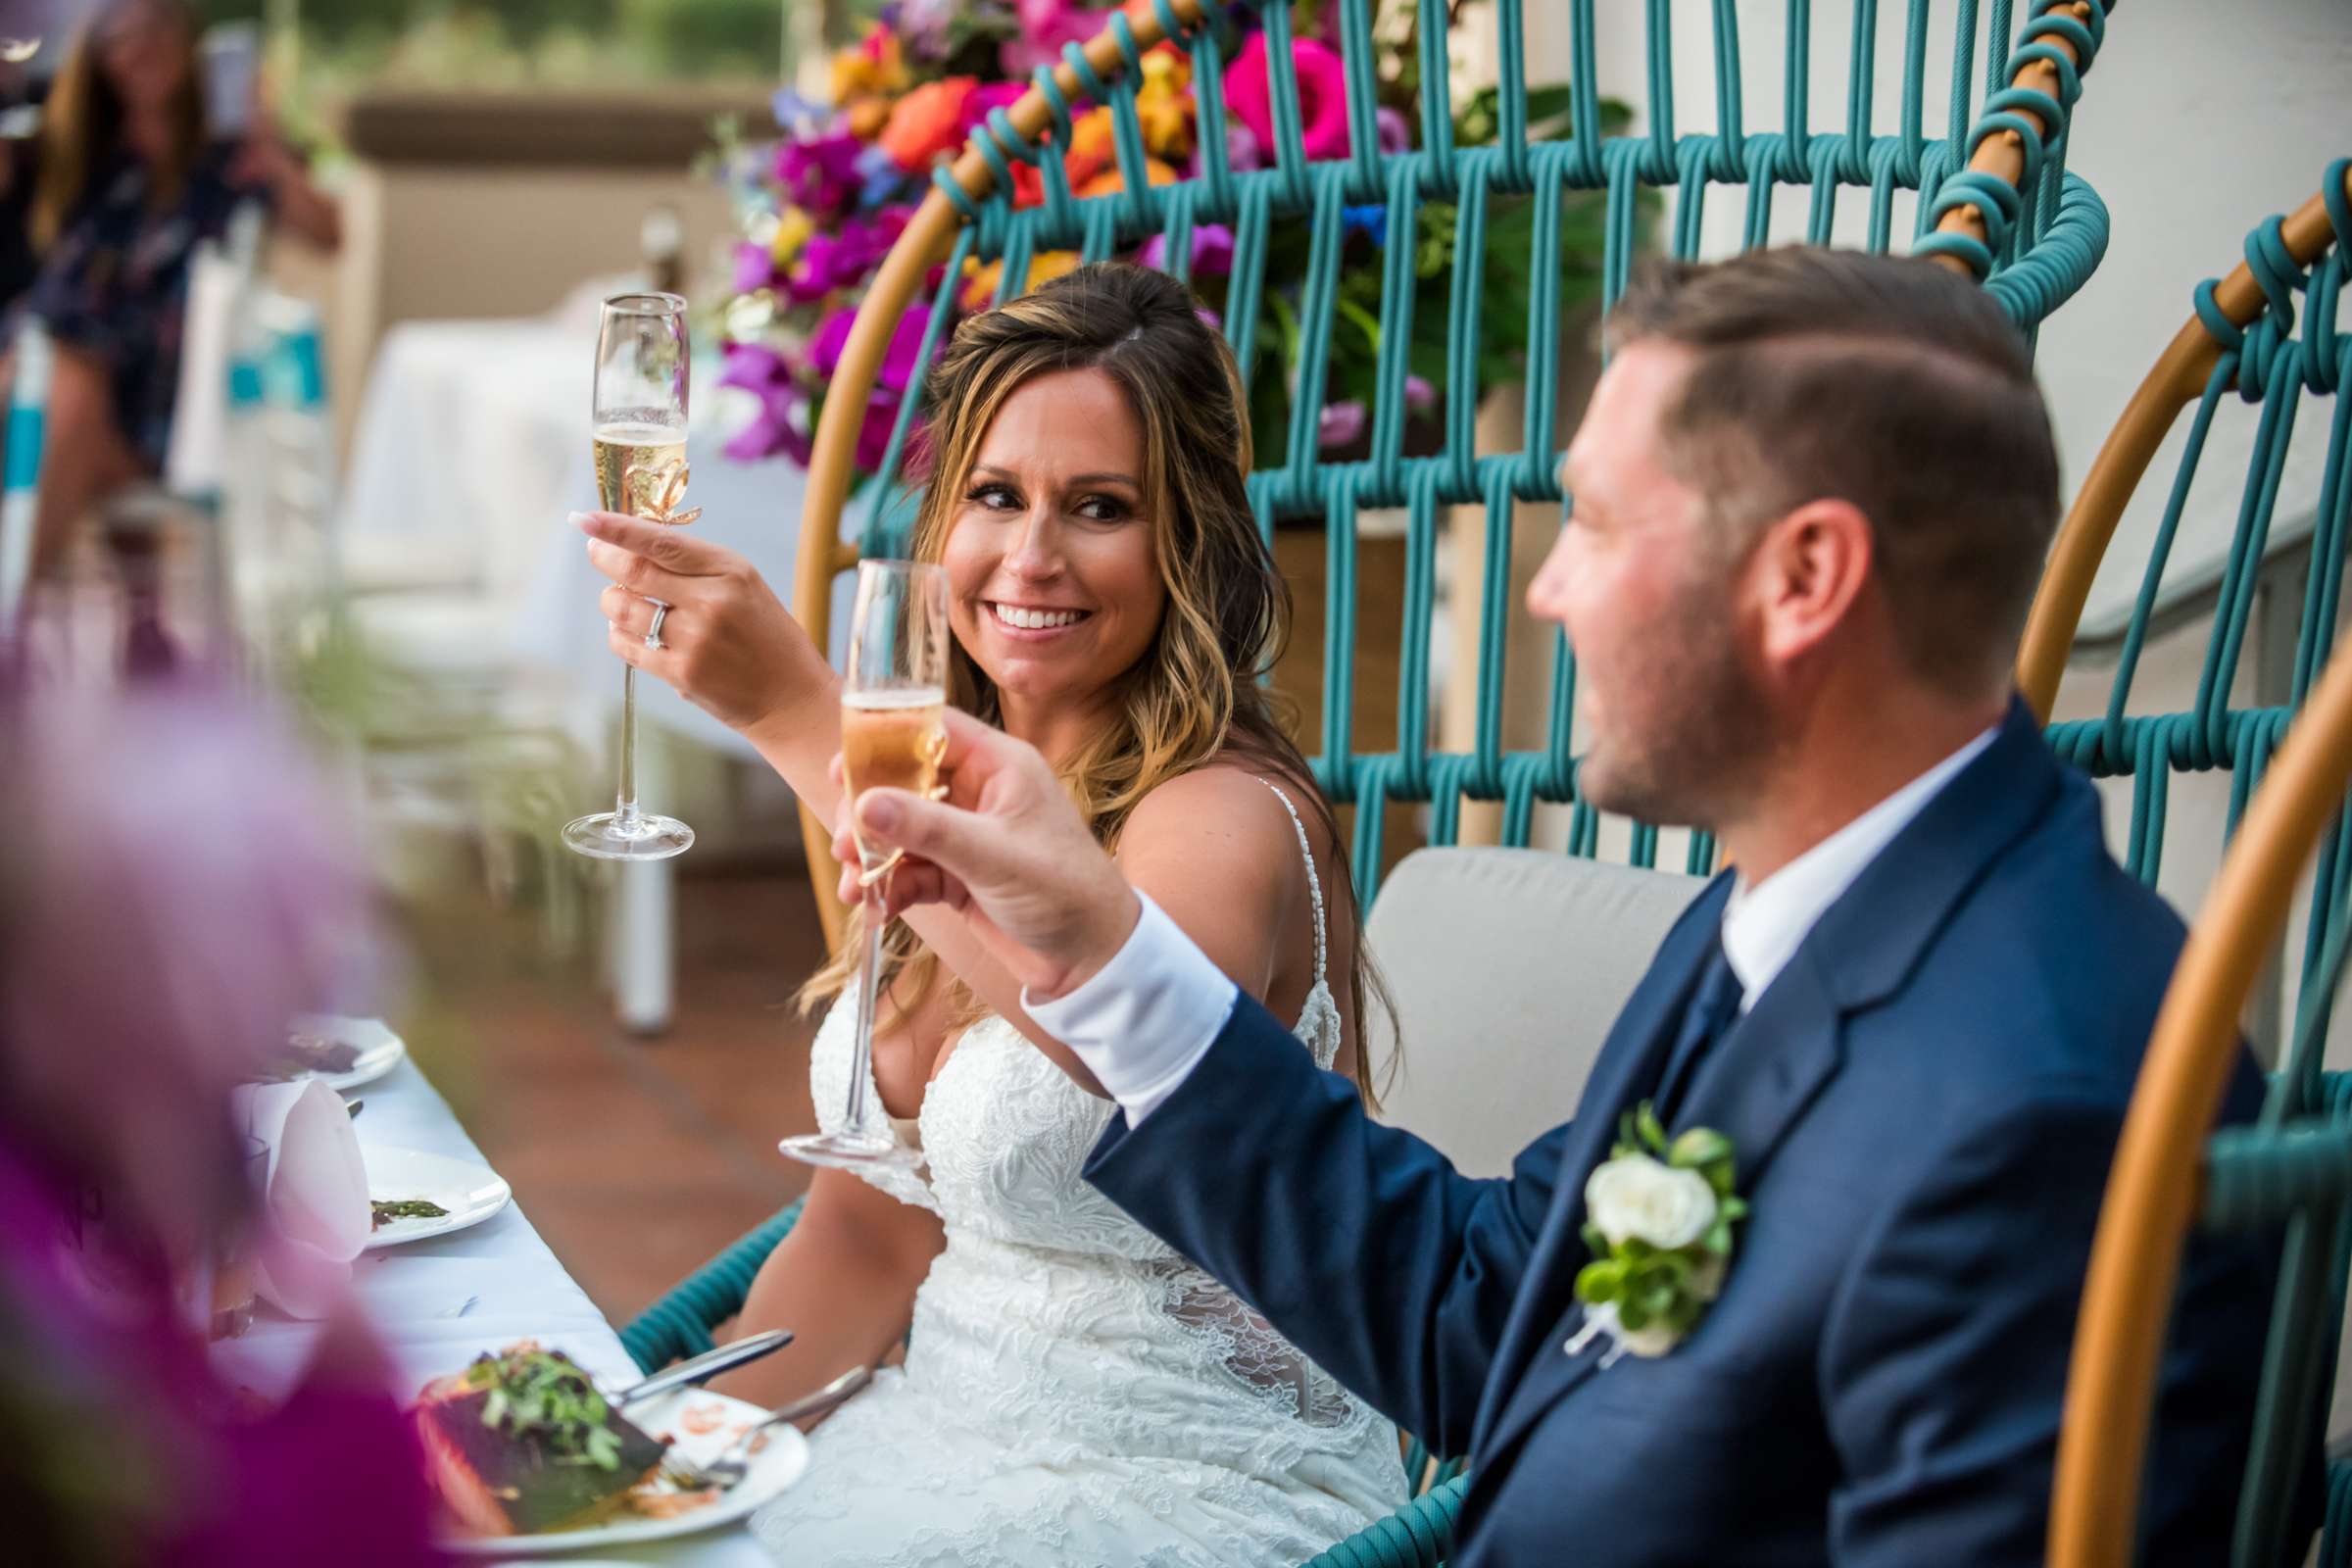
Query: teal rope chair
{"type": "Point", "coordinates": [2247, 343]}
{"type": "Point", "coordinates": [1991, 197]}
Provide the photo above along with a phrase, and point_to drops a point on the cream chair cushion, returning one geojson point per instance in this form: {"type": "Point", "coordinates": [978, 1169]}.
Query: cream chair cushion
{"type": "Point", "coordinates": [1507, 968]}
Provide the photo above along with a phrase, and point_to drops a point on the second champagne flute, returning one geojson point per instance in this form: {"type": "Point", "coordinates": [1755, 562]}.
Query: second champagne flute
{"type": "Point", "coordinates": [894, 699]}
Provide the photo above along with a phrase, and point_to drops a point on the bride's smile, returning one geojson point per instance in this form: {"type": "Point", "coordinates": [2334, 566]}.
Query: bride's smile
{"type": "Point", "coordinates": [1052, 566]}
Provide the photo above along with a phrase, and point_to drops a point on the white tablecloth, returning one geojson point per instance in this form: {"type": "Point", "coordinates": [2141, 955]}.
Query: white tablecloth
{"type": "Point", "coordinates": [517, 1288]}
{"type": "Point", "coordinates": [472, 439]}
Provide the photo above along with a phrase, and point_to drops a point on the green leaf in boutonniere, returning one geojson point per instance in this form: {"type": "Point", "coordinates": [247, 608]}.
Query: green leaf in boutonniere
{"type": "Point", "coordinates": [1659, 1215]}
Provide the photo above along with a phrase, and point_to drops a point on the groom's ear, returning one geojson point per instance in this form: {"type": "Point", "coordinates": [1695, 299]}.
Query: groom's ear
{"type": "Point", "coordinates": [1809, 582]}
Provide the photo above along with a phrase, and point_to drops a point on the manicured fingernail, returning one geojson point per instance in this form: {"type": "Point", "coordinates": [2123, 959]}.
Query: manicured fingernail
{"type": "Point", "coordinates": [879, 812]}
{"type": "Point", "coordinates": [580, 519]}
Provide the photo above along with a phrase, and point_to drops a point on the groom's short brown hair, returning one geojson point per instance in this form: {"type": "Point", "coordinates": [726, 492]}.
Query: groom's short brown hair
{"type": "Point", "coordinates": [1893, 384]}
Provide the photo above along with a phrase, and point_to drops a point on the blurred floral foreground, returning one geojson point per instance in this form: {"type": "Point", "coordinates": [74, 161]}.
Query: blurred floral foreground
{"type": "Point", "coordinates": [823, 204]}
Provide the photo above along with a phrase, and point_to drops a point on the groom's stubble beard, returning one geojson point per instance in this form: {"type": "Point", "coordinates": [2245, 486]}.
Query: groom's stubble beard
{"type": "Point", "coordinates": [1689, 736]}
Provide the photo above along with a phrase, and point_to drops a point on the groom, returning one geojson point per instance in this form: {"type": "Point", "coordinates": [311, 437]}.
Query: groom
{"type": "Point", "coordinates": [1810, 501]}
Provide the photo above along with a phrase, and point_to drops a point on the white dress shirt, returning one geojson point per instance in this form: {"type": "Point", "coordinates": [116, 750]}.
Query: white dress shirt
{"type": "Point", "coordinates": [1144, 1020]}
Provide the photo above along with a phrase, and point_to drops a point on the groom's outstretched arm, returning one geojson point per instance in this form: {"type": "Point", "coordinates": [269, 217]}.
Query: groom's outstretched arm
{"type": "Point", "coordinates": [1361, 1244]}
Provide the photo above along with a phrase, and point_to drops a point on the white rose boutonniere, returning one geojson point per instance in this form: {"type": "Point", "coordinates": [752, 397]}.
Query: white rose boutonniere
{"type": "Point", "coordinates": [1658, 1216]}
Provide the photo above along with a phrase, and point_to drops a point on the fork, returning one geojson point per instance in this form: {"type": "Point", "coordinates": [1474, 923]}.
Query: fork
{"type": "Point", "coordinates": [732, 1466]}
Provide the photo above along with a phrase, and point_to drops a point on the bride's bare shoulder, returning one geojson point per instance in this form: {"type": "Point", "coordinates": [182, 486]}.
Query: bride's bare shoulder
{"type": "Point", "coordinates": [1221, 802]}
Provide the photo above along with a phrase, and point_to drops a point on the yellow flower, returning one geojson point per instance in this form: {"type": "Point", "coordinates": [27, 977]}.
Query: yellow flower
{"type": "Point", "coordinates": [793, 230]}
{"type": "Point", "coordinates": [1160, 104]}
{"type": "Point", "coordinates": [866, 68]}
{"type": "Point", "coordinates": [1110, 181]}
{"type": "Point", "coordinates": [980, 281]}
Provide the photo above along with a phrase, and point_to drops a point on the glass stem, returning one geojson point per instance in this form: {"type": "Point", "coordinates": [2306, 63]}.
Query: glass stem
{"type": "Point", "coordinates": [862, 1055]}
{"type": "Point", "coordinates": [625, 808]}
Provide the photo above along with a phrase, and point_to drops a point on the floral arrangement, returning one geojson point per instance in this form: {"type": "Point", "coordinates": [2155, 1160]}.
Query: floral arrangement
{"type": "Point", "coordinates": [1658, 1219]}
{"type": "Point", "coordinates": [823, 204]}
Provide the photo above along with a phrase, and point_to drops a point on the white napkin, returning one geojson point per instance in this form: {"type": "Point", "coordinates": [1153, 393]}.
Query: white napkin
{"type": "Point", "coordinates": [314, 1195]}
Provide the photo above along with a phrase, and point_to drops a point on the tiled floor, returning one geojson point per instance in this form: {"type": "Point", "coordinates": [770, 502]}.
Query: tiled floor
{"type": "Point", "coordinates": [636, 1159]}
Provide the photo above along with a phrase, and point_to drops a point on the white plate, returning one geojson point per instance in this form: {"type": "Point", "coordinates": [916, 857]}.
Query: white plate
{"type": "Point", "coordinates": [774, 1468]}
{"type": "Point", "coordinates": [470, 1193]}
{"type": "Point", "coordinates": [379, 1049]}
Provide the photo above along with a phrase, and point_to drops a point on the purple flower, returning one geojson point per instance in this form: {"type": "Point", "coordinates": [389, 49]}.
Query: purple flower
{"type": "Point", "coordinates": [883, 181]}
{"type": "Point", "coordinates": [1213, 251]}
{"type": "Point", "coordinates": [1395, 136]}
{"type": "Point", "coordinates": [1339, 424]}
{"type": "Point", "coordinates": [921, 26]}
{"type": "Point", "coordinates": [1419, 395]}
{"type": "Point", "coordinates": [843, 259]}
{"type": "Point", "coordinates": [820, 173]}
{"type": "Point", "coordinates": [1243, 150]}
{"type": "Point", "coordinates": [754, 268]}
{"type": "Point", "coordinates": [771, 429]}
{"type": "Point", "coordinates": [897, 360]}
{"type": "Point", "coordinates": [792, 111]}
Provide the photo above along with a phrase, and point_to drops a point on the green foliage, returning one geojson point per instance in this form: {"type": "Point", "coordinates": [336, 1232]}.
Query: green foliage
{"type": "Point", "coordinates": [508, 42]}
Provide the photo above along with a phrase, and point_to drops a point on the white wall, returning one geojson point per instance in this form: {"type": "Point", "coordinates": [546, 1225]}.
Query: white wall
{"type": "Point", "coordinates": [2196, 122]}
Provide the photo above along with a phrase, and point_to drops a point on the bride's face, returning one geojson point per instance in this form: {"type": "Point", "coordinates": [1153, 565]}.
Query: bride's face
{"type": "Point", "coordinates": [1052, 574]}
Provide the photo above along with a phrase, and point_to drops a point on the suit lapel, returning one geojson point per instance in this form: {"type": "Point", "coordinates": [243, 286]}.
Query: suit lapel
{"type": "Point", "coordinates": [1774, 1062]}
{"type": "Point", "coordinates": [1629, 1061]}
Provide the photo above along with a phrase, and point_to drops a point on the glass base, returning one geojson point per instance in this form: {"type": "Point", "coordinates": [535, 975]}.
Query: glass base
{"type": "Point", "coordinates": [652, 838]}
{"type": "Point", "coordinates": [848, 1152]}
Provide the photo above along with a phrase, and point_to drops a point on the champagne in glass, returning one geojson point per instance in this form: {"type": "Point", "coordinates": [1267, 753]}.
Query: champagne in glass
{"type": "Point", "coordinates": [893, 735]}
{"type": "Point", "coordinates": [639, 446]}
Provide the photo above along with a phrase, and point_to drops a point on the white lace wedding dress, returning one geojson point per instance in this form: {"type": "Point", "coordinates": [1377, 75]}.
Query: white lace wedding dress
{"type": "Point", "coordinates": [1074, 1392]}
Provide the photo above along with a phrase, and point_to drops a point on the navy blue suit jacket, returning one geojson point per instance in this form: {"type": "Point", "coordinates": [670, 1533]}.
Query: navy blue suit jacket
{"type": "Point", "coordinates": [1923, 1107]}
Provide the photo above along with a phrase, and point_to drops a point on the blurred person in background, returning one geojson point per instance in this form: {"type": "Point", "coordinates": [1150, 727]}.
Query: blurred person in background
{"type": "Point", "coordinates": [131, 177]}
{"type": "Point", "coordinates": [129, 1009]}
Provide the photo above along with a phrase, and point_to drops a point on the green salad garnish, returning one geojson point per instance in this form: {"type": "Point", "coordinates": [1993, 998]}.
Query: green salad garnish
{"type": "Point", "coordinates": [540, 1394]}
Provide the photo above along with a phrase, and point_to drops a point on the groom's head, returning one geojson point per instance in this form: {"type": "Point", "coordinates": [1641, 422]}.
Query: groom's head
{"type": "Point", "coordinates": [1810, 484]}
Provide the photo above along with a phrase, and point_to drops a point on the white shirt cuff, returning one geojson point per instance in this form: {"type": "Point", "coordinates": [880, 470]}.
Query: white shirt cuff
{"type": "Point", "coordinates": [1142, 1021]}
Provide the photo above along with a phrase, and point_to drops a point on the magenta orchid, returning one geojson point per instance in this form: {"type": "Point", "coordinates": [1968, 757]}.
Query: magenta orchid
{"type": "Point", "coordinates": [1322, 95]}
{"type": "Point", "coordinates": [1045, 26]}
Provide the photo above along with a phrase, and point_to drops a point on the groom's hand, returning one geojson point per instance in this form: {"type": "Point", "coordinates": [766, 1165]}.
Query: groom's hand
{"type": "Point", "coordinates": [1008, 849]}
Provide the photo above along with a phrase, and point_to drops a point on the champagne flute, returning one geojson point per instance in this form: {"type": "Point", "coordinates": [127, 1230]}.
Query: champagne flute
{"type": "Point", "coordinates": [640, 450]}
{"type": "Point", "coordinates": [893, 700]}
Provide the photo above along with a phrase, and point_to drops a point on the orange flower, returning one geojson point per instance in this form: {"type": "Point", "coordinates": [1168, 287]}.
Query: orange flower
{"type": "Point", "coordinates": [868, 117]}
{"type": "Point", "coordinates": [1110, 181]}
{"type": "Point", "coordinates": [1089, 145]}
{"type": "Point", "coordinates": [980, 281]}
{"type": "Point", "coordinates": [928, 123]}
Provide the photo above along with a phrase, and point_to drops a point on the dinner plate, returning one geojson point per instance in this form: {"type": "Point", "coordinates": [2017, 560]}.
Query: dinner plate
{"type": "Point", "coordinates": [470, 1192]}
{"type": "Point", "coordinates": [379, 1049]}
{"type": "Point", "coordinates": [700, 1425]}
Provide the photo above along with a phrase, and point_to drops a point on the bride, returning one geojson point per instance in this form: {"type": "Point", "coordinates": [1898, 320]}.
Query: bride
{"type": "Point", "coordinates": [1072, 1392]}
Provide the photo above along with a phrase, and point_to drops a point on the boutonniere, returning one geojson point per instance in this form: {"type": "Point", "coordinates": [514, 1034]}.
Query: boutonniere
{"type": "Point", "coordinates": [1658, 1216]}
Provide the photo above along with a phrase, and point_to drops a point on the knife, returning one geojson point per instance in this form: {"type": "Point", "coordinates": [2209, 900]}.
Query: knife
{"type": "Point", "coordinates": [708, 1364]}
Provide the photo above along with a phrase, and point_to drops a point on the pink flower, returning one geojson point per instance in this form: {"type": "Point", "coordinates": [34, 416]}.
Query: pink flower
{"type": "Point", "coordinates": [1322, 96]}
{"type": "Point", "coordinates": [1043, 26]}
{"type": "Point", "coordinates": [1395, 136]}
{"type": "Point", "coordinates": [988, 96]}
{"type": "Point", "coordinates": [1419, 395]}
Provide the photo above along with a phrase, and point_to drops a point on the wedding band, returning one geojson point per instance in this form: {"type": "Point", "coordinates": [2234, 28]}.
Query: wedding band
{"type": "Point", "coordinates": [652, 633]}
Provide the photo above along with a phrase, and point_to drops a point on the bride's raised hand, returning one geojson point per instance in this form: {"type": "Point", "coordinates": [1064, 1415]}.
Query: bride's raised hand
{"type": "Point", "coordinates": [729, 644]}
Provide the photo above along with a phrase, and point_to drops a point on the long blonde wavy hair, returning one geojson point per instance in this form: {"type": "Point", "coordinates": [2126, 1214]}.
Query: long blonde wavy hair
{"type": "Point", "coordinates": [1196, 693]}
